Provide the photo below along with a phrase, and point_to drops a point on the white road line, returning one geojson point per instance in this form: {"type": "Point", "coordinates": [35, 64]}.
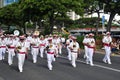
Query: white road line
{"type": "Point", "coordinates": [100, 66]}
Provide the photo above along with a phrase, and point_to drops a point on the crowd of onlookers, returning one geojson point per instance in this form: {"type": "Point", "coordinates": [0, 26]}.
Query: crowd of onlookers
{"type": "Point", "coordinates": [115, 46]}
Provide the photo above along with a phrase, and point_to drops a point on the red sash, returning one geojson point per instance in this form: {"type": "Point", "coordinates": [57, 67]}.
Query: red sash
{"type": "Point", "coordinates": [105, 44]}
{"type": "Point", "coordinates": [50, 52]}
{"type": "Point", "coordinates": [2, 46]}
{"type": "Point", "coordinates": [36, 47]}
{"type": "Point", "coordinates": [42, 44]}
{"type": "Point", "coordinates": [12, 47]}
{"type": "Point", "coordinates": [22, 52]}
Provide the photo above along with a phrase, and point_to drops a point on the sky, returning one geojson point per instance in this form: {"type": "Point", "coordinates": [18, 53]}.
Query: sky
{"type": "Point", "coordinates": [9, 1]}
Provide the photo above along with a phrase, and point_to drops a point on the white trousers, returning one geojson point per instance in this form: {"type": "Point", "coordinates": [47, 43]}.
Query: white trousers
{"type": "Point", "coordinates": [21, 59]}
{"type": "Point", "coordinates": [90, 55]}
{"type": "Point", "coordinates": [35, 52]}
{"type": "Point", "coordinates": [74, 57]}
{"type": "Point", "coordinates": [107, 54]}
{"type": "Point", "coordinates": [11, 54]}
{"type": "Point", "coordinates": [2, 53]}
{"type": "Point", "coordinates": [41, 51]}
{"type": "Point", "coordinates": [69, 53]}
{"type": "Point", "coordinates": [50, 59]}
{"type": "Point", "coordinates": [86, 52]}
{"type": "Point", "coordinates": [60, 49]}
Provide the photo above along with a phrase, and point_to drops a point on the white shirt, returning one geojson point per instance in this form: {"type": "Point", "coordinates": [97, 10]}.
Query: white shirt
{"type": "Point", "coordinates": [107, 39]}
{"type": "Point", "coordinates": [23, 46]}
{"type": "Point", "coordinates": [74, 46]}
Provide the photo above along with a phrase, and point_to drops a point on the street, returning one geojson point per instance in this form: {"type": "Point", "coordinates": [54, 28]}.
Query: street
{"type": "Point", "coordinates": [62, 69]}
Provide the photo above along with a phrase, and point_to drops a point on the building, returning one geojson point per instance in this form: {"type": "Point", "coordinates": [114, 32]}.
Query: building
{"type": "Point", "coordinates": [73, 15]}
{"type": "Point", "coordinates": [1, 3]}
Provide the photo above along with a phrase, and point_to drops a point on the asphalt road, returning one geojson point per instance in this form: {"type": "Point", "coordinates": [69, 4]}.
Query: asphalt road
{"type": "Point", "coordinates": [62, 69]}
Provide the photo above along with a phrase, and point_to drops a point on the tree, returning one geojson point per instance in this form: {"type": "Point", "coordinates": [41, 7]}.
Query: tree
{"type": "Point", "coordinates": [9, 15]}
{"type": "Point", "coordinates": [113, 7]}
{"type": "Point", "coordinates": [94, 6]}
{"type": "Point", "coordinates": [59, 8]}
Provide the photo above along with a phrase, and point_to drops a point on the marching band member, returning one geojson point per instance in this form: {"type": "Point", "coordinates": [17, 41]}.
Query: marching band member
{"type": "Point", "coordinates": [28, 40]}
{"type": "Point", "coordinates": [55, 42]}
{"type": "Point", "coordinates": [11, 44]}
{"type": "Point", "coordinates": [42, 45]}
{"type": "Point", "coordinates": [69, 40]}
{"type": "Point", "coordinates": [59, 40]}
{"type": "Point", "coordinates": [75, 49]}
{"type": "Point", "coordinates": [2, 47]}
{"type": "Point", "coordinates": [22, 50]}
{"type": "Point", "coordinates": [51, 52]}
{"type": "Point", "coordinates": [91, 48]}
{"type": "Point", "coordinates": [107, 45]}
{"type": "Point", "coordinates": [85, 43]}
{"type": "Point", "coordinates": [35, 47]}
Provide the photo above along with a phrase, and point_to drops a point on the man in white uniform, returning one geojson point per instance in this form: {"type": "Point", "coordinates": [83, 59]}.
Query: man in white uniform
{"type": "Point", "coordinates": [2, 47]}
{"type": "Point", "coordinates": [91, 49]}
{"type": "Point", "coordinates": [107, 45]}
{"type": "Point", "coordinates": [35, 47]}
{"type": "Point", "coordinates": [75, 50]}
{"type": "Point", "coordinates": [69, 40]}
{"type": "Point", "coordinates": [42, 46]}
{"type": "Point", "coordinates": [51, 52]}
{"type": "Point", "coordinates": [85, 43]}
{"type": "Point", "coordinates": [22, 49]}
{"type": "Point", "coordinates": [11, 49]}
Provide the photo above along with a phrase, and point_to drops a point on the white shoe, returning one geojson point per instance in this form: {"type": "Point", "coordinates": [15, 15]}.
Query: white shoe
{"type": "Point", "coordinates": [91, 64]}
{"type": "Point", "coordinates": [10, 64]}
{"type": "Point", "coordinates": [104, 61]}
{"type": "Point", "coordinates": [21, 71]}
{"type": "Point", "coordinates": [74, 65]}
{"type": "Point", "coordinates": [109, 63]}
{"type": "Point", "coordinates": [87, 62]}
{"type": "Point", "coordinates": [34, 61]}
{"type": "Point", "coordinates": [50, 69]}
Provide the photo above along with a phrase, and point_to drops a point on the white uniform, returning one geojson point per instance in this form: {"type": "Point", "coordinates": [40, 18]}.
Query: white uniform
{"type": "Point", "coordinates": [106, 41]}
{"type": "Point", "coordinates": [59, 42]}
{"type": "Point", "coordinates": [55, 42]}
{"type": "Point", "coordinates": [68, 49]}
{"type": "Point", "coordinates": [2, 49]}
{"type": "Point", "coordinates": [28, 40]}
{"type": "Point", "coordinates": [74, 46]}
{"type": "Point", "coordinates": [11, 50]}
{"type": "Point", "coordinates": [91, 47]}
{"type": "Point", "coordinates": [50, 54]}
{"type": "Point", "coordinates": [21, 54]}
{"type": "Point", "coordinates": [35, 49]}
{"type": "Point", "coordinates": [85, 42]}
{"type": "Point", "coordinates": [42, 47]}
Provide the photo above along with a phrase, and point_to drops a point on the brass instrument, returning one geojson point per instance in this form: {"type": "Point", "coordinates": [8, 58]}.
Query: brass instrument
{"type": "Point", "coordinates": [36, 32]}
{"type": "Point", "coordinates": [18, 49]}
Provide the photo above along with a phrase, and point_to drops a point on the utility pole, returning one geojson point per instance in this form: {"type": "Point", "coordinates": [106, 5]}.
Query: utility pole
{"type": "Point", "coordinates": [103, 19]}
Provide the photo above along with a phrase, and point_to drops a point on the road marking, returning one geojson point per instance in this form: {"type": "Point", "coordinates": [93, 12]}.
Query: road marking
{"type": "Point", "coordinates": [100, 66]}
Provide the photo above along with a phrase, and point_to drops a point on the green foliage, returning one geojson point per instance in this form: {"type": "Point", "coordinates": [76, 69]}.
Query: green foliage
{"type": "Point", "coordinates": [80, 40]}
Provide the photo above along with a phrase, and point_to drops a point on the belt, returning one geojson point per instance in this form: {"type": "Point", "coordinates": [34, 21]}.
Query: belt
{"type": "Point", "coordinates": [42, 44]}
{"type": "Point", "coordinates": [105, 44]}
{"type": "Point", "coordinates": [50, 52]}
{"type": "Point", "coordinates": [2, 46]}
{"type": "Point", "coordinates": [12, 47]}
{"type": "Point", "coordinates": [22, 52]}
{"type": "Point", "coordinates": [91, 47]}
{"type": "Point", "coordinates": [35, 47]}
{"type": "Point", "coordinates": [74, 51]}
